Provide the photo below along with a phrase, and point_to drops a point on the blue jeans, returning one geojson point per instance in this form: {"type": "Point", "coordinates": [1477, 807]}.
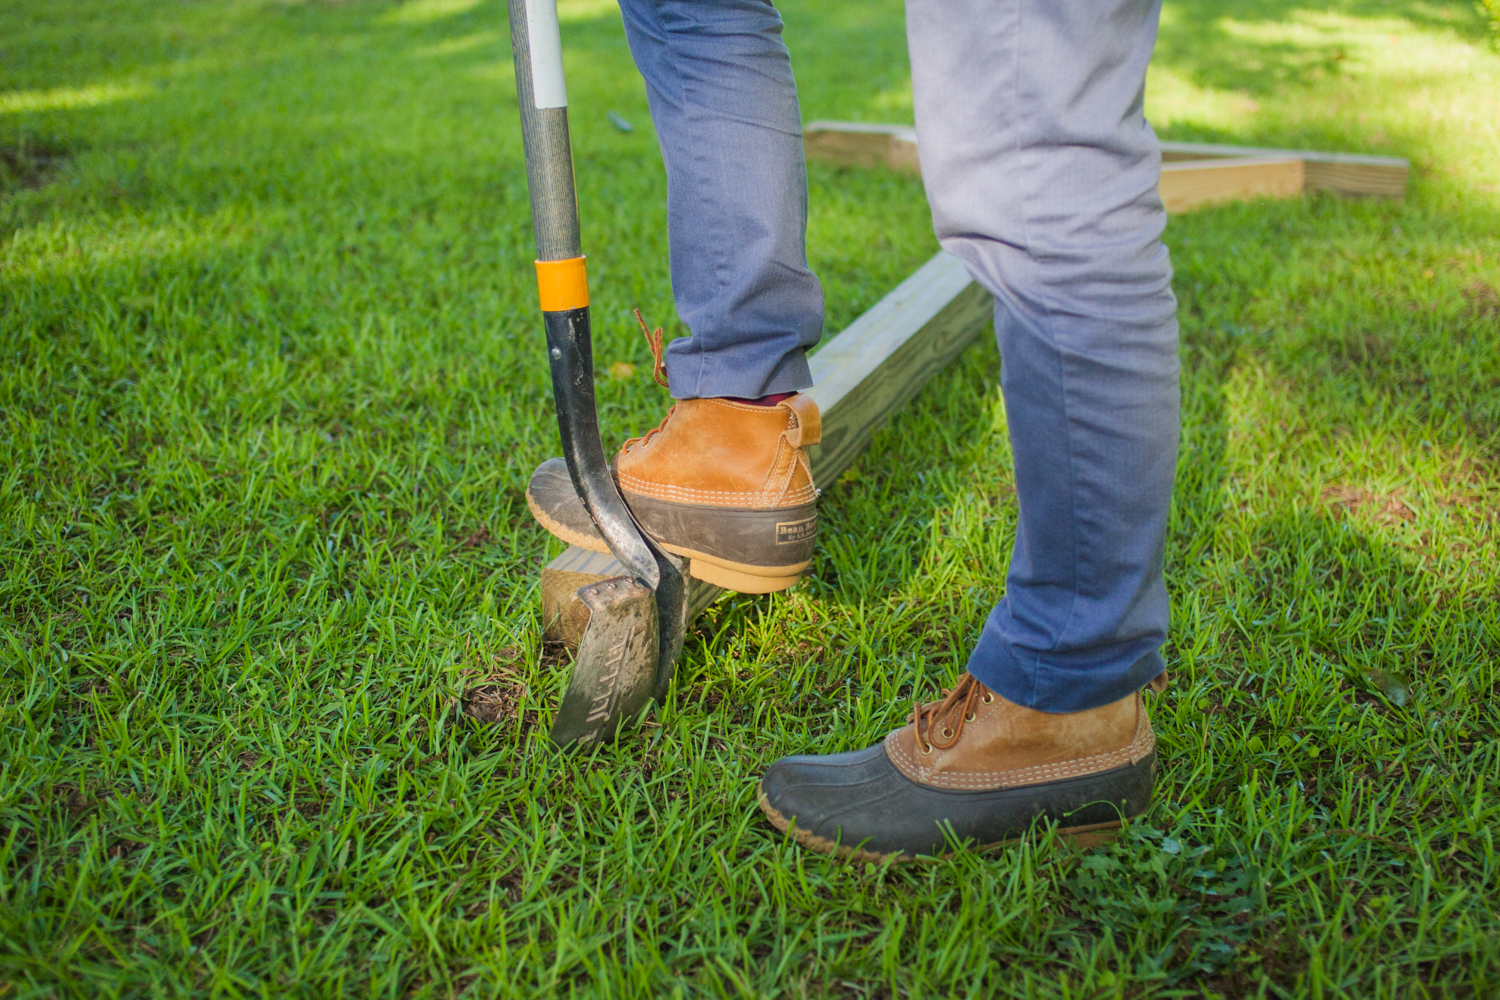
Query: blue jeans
{"type": "Point", "coordinates": [725, 108]}
{"type": "Point", "coordinates": [1042, 175]}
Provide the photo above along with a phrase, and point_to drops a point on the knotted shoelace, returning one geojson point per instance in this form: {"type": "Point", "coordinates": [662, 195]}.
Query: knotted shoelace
{"type": "Point", "coordinates": [653, 340]}
{"type": "Point", "coordinates": [658, 372]}
{"type": "Point", "coordinates": [961, 699]}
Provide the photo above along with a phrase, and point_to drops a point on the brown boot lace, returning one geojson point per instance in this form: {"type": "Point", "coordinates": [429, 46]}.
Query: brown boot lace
{"type": "Point", "coordinates": [659, 372]}
{"type": "Point", "coordinates": [653, 340]}
{"type": "Point", "coordinates": [963, 697]}
{"type": "Point", "coordinates": [631, 442]}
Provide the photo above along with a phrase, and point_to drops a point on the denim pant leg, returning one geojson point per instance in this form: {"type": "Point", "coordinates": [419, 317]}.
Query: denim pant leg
{"type": "Point", "coordinates": [719, 80]}
{"type": "Point", "coordinates": [1042, 174]}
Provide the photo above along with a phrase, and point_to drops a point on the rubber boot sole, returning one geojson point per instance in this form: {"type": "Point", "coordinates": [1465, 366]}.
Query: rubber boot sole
{"type": "Point", "coordinates": [742, 577]}
{"type": "Point", "coordinates": [1080, 837]}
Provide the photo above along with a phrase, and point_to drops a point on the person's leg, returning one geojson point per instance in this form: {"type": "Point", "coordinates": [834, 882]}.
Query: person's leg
{"type": "Point", "coordinates": [719, 80]}
{"type": "Point", "coordinates": [725, 480]}
{"type": "Point", "coordinates": [1042, 175]}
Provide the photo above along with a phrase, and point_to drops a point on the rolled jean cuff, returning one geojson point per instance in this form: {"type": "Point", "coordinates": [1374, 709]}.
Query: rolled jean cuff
{"type": "Point", "coordinates": [1029, 679]}
{"type": "Point", "coordinates": [731, 373]}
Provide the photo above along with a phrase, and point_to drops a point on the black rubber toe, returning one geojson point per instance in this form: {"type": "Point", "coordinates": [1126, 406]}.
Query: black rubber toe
{"type": "Point", "coordinates": [861, 800]}
{"type": "Point", "coordinates": [551, 490]}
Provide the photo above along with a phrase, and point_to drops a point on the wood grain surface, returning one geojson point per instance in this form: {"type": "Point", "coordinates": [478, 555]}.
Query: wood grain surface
{"type": "Point", "coordinates": [1185, 186]}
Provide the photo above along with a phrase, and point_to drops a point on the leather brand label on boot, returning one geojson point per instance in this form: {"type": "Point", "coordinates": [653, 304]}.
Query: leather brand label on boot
{"type": "Point", "coordinates": [788, 532]}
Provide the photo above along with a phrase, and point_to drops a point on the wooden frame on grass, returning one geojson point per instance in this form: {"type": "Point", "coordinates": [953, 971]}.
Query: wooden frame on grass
{"type": "Point", "coordinates": [1192, 173]}
{"type": "Point", "coordinates": [860, 378]}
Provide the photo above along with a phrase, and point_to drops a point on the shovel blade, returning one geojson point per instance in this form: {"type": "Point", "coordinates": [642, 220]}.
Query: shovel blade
{"type": "Point", "coordinates": [671, 618]}
{"type": "Point", "coordinates": [615, 667]}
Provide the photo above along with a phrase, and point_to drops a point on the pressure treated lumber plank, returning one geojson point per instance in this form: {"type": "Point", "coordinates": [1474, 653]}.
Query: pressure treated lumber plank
{"type": "Point", "coordinates": [1356, 180]}
{"type": "Point", "coordinates": [1353, 175]}
{"type": "Point", "coordinates": [857, 144]}
{"type": "Point", "coordinates": [884, 358]}
{"type": "Point", "coordinates": [860, 144]}
{"type": "Point", "coordinates": [860, 378]}
{"type": "Point", "coordinates": [1185, 186]}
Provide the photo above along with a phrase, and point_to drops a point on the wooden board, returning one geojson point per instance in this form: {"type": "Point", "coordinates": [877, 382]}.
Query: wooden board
{"type": "Point", "coordinates": [860, 378]}
{"type": "Point", "coordinates": [1356, 180]}
{"type": "Point", "coordinates": [857, 144]}
{"type": "Point", "coordinates": [884, 358]}
{"type": "Point", "coordinates": [1185, 186]}
{"type": "Point", "coordinates": [1353, 175]}
{"type": "Point", "coordinates": [564, 615]}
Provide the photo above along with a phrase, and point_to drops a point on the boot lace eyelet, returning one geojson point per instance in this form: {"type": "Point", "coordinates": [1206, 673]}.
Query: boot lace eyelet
{"type": "Point", "coordinates": [947, 733]}
{"type": "Point", "coordinates": [927, 750]}
{"type": "Point", "coordinates": [969, 717]}
{"type": "Point", "coordinates": [988, 698]}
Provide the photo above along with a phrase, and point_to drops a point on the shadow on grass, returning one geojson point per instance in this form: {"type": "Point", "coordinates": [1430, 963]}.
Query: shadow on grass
{"type": "Point", "coordinates": [1261, 290]}
{"type": "Point", "coordinates": [1319, 582]}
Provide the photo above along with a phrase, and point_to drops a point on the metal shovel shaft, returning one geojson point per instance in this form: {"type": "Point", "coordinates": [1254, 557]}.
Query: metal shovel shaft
{"type": "Point", "coordinates": [543, 99]}
{"type": "Point", "coordinates": [636, 622]}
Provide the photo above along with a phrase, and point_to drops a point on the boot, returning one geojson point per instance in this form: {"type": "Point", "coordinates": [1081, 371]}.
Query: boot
{"type": "Point", "coordinates": [972, 768]}
{"type": "Point", "coordinates": [725, 483]}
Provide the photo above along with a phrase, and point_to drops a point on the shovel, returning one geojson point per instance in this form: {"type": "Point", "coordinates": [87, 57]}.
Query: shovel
{"type": "Point", "coordinates": [636, 622]}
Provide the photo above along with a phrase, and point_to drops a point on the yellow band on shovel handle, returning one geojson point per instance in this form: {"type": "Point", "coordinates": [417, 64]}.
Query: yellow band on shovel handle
{"type": "Point", "coordinates": [562, 284]}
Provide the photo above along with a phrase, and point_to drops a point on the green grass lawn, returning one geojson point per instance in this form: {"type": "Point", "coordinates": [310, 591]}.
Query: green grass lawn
{"type": "Point", "coordinates": [272, 383]}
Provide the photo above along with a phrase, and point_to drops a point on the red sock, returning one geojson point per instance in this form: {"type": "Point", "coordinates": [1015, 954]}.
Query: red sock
{"type": "Point", "coordinates": [770, 400]}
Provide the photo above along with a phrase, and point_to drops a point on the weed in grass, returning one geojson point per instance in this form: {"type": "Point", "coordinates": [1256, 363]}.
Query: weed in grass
{"type": "Point", "coordinates": [272, 679]}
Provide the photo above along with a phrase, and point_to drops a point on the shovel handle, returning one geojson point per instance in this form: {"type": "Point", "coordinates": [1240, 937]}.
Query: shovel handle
{"type": "Point", "coordinates": [562, 280]}
{"type": "Point", "coordinates": [536, 43]}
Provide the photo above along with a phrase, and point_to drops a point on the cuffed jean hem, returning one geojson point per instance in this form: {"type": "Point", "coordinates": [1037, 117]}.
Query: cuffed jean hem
{"type": "Point", "coordinates": [1030, 679]}
{"type": "Point", "coordinates": [708, 375]}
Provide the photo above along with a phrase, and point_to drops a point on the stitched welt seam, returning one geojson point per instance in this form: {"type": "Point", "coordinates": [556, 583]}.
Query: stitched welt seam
{"type": "Point", "coordinates": [634, 485]}
{"type": "Point", "coordinates": [1077, 762]}
{"type": "Point", "coordinates": [992, 780]}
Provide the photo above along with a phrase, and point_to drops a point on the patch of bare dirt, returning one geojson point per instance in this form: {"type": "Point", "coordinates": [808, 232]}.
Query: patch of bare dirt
{"type": "Point", "coordinates": [473, 540]}
{"type": "Point", "coordinates": [494, 702]}
{"type": "Point", "coordinates": [1483, 299]}
{"type": "Point", "coordinates": [74, 801]}
{"type": "Point", "coordinates": [30, 165]}
{"type": "Point", "coordinates": [497, 696]}
{"type": "Point", "coordinates": [1387, 508]}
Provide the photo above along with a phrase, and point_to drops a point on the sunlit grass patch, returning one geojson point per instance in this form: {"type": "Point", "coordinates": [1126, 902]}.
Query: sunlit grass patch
{"type": "Point", "coordinates": [69, 98]}
{"type": "Point", "coordinates": [272, 385]}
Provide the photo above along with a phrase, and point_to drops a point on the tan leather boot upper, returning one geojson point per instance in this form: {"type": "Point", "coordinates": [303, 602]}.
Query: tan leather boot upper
{"type": "Point", "coordinates": [975, 740]}
{"type": "Point", "coordinates": [720, 453]}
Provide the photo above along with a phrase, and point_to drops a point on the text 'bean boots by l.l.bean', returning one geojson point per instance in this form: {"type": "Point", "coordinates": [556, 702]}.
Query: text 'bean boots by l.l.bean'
{"type": "Point", "coordinates": [725, 483]}
{"type": "Point", "coordinates": [972, 768]}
